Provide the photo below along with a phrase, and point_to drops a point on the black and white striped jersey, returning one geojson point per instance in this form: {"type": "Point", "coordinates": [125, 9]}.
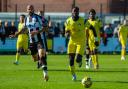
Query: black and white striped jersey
{"type": "Point", "coordinates": [32, 23]}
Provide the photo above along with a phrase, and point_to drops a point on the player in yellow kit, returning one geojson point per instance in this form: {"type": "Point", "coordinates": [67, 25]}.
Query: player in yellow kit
{"type": "Point", "coordinates": [122, 34]}
{"type": "Point", "coordinates": [93, 40]}
{"type": "Point", "coordinates": [22, 40]}
{"type": "Point", "coordinates": [75, 28]}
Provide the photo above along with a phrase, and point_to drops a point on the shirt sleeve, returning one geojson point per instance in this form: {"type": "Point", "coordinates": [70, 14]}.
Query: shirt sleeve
{"type": "Point", "coordinates": [87, 25]}
{"type": "Point", "coordinates": [40, 23]}
{"type": "Point", "coordinates": [67, 25]}
{"type": "Point", "coordinates": [120, 29]}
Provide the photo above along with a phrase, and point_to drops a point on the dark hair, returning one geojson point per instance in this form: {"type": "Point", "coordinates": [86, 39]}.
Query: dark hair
{"type": "Point", "coordinates": [93, 11]}
{"type": "Point", "coordinates": [75, 7]}
{"type": "Point", "coordinates": [23, 15]}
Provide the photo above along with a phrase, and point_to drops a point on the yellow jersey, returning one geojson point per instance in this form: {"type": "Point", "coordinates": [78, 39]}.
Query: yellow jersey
{"type": "Point", "coordinates": [97, 25]}
{"type": "Point", "coordinates": [76, 28]}
{"type": "Point", "coordinates": [123, 31]}
{"type": "Point", "coordinates": [22, 36]}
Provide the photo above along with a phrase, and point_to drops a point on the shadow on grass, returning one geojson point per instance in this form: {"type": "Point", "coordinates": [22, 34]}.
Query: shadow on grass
{"type": "Point", "coordinates": [81, 70]}
{"type": "Point", "coordinates": [100, 70]}
{"type": "Point", "coordinates": [113, 81]}
{"type": "Point", "coordinates": [106, 81]}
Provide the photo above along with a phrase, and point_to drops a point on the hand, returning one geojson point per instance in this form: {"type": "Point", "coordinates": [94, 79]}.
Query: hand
{"type": "Point", "coordinates": [67, 34]}
{"type": "Point", "coordinates": [11, 36]}
{"type": "Point", "coordinates": [45, 29]}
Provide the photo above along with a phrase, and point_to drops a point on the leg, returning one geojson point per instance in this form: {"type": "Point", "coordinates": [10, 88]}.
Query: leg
{"type": "Point", "coordinates": [79, 59]}
{"type": "Point", "coordinates": [123, 52]}
{"type": "Point", "coordinates": [34, 51]}
{"type": "Point", "coordinates": [72, 67]}
{"type": "Point", "coordinates": [87, 58]}
{"type": "Point", "coordinates": [25, 47]}
{"type": "Point", "coordinates": [71, 52]}
{"type": "Point", "coordinates": [80, 52]}
{"type": "Point", "coordinates": [19, 49]}
{"type": "Point", "coordinates": [17, 56]}
{"type": "Point", "coordinates": [95, 59]}
{"type": "Point", "coordinates": [43, 60]}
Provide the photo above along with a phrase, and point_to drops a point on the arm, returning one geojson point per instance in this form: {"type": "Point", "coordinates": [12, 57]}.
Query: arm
{"type": "Point", "coordinates": [89, 26]}
{"type": "Point", "coordinates": [67, 29]}
{"type": "Point", "coordinates": [22, 31]}
{"type": "Point", "coordinates": [94, 30]}
{"type": "Point", "coordinates": [95, 35]}
{"type": "Point", "coordinates": [87, 36]}
{"type": "Point", "coordinates": [67, 34]}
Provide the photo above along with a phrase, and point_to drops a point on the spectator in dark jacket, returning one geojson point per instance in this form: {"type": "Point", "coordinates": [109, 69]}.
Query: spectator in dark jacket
{"type": "Point", "coordinates": [13, 28]}
{"type": "Point", "coordinates": [2, 33]}
{"type": "Point", "coordinates": [7, 29]}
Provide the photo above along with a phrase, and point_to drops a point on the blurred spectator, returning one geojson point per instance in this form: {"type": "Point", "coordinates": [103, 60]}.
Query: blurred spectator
{"type": "Point", "coordinates": [45, 24]}
{"type": "Point", "coordinates": [7, 30]}
{"type": "Point", "coordinates": [57, 30]}
{"type": "Point", "coordinates": [13, 28]}
{"type": "Point", "coordinates": [51, 28]}
{"type": "Point", "coordinates": [2, 33]}
{"type": "Point", "coordinates": [115, 33]}
{"type": "Point", "coordinates": [108, 30]}
{"type": "Point", "coordinates": [63, 30]}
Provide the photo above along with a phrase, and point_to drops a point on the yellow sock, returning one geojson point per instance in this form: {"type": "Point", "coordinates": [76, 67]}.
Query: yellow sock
{"type": "Point", "coordinates": [123, 52]}
{"type": "Point", "coordinates": [17, 56]}
{"type": "Point", "coordinates": [95, 61]}
{"type": "Point", "coordinates": [72, 69]}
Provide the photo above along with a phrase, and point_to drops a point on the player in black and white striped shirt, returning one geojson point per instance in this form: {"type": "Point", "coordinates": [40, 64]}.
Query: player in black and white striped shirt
{"type": "Point", "coordinates": [35, 28]}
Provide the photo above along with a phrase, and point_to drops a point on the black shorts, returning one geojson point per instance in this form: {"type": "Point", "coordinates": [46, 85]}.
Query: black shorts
{"type": "Point", "coordinates": [35, 46]}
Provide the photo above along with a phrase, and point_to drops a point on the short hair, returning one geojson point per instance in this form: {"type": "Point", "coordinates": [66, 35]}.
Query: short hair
{"type": "Point", "coordinates": [75, 7]}
{"type": "Point", "coordinates": [23, 15]}
{"type": "Point", "coordinates": [93, 11]}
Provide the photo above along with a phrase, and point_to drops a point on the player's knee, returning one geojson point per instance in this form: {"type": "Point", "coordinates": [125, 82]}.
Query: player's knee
{"type": "Point", "coordinates": [71, 59]}
{"type": "Point", "coordinates": [78, 58]}
{"type": "Point", "coordinates": [41, 52]}
{"type": "Point", "coordinates": [123, 47]}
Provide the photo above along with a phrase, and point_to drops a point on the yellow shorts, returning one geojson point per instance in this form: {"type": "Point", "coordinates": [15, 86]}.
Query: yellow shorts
{"type": "Point", "coordinates": [22, 44]}
{"type": "Point", "coordinates": [78, 48]}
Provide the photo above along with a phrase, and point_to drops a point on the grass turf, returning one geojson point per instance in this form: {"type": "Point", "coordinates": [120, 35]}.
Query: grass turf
{"type": "Point", "coordinates": [113, 73]}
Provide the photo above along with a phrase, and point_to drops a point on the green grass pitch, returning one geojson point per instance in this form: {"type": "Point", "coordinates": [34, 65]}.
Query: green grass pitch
{"type": "Point", "coordinates": [113, 73]}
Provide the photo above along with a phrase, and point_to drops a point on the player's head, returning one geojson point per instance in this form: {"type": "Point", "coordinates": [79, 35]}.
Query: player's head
{"type": "Point", "coordinates": [92, 14]}
{"type": "Point", "coordinates": [75, 13]}
{"type": "Point", "coordinates": [6, 23]}
{"type": "Point", "coordinates": [125, 22]}
{"type": "Point", "coordinates": [30, 9]}
{"type": "Point", "coordinates": [22, 17]}
{"type": "Point", "coordinates": [12, 23]}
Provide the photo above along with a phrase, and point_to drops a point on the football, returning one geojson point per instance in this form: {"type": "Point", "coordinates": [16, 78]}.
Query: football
{"type": "Point", "coordinates": [86, 82]}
